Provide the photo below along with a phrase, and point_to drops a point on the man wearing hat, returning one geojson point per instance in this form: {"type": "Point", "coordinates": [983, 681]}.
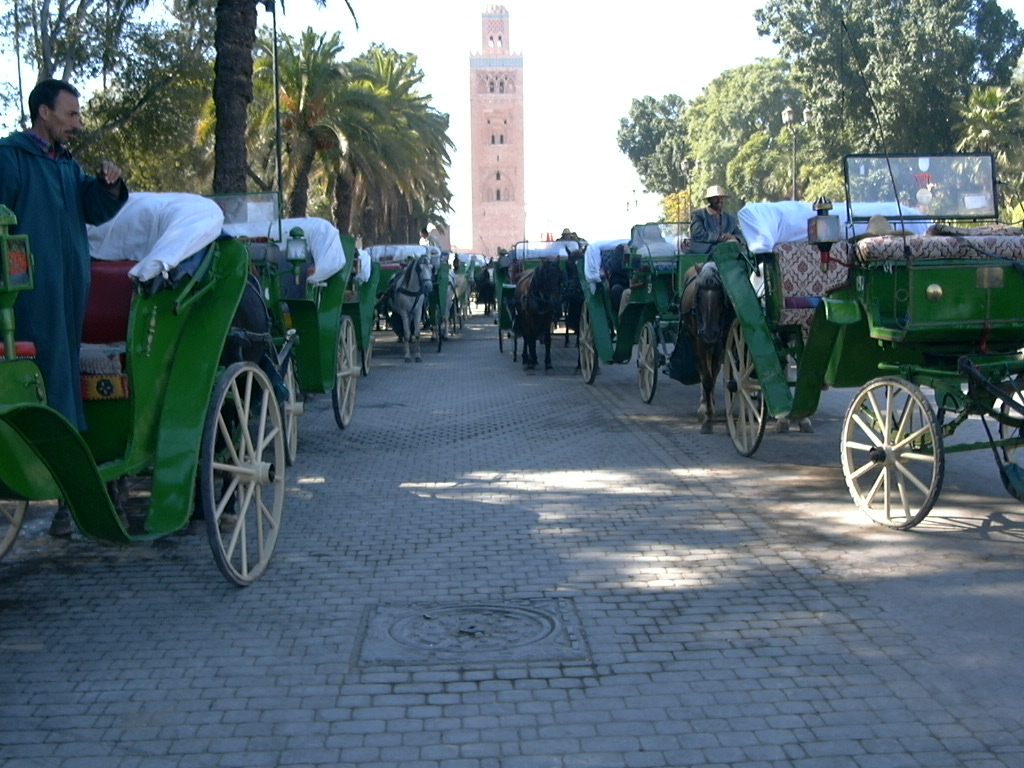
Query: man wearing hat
{"type": "Point", "coordinates": [712, 225]}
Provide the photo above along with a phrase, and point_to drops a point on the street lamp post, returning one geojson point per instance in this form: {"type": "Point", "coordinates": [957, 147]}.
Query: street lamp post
{"type": "Point", "coordinates": [789, 120]}
{"type": "Point", "coordinates": [685, 166]}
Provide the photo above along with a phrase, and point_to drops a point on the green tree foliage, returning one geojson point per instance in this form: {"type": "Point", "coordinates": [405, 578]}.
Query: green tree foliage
{"type": "Point", "coordinates": [654, 138]}
{"type": "Point", "coordinates": [73, 39]}
{"type": "Point", "coordinates": [889, 75]}
{"type": "Point", "coordinates": [362, 145]}
{"type": "Point", "coordinates": [146, 118]}
{"type": "Point", "coordinates": [992, 120]}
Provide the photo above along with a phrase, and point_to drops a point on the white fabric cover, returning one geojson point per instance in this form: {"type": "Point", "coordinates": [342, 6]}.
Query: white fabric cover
{"type": "Point", "coordinates": [766, 224]}
{"type": "Point", "coordinates": [592, 258]}
{"type": "Point", "coordinates": [159, 230]}
{"type": "Point", "coordinates": [363, 265]}
{"type": "Point", "coordinates": [545, 250]}
{"type": "Point", "coordinates": [322, 238]}
{"type": "Point", "coordinates": [389, 254]}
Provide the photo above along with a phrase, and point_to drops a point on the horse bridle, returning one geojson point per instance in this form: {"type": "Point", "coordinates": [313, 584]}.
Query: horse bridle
{"type": "Point", "coordinates": [407, 277]}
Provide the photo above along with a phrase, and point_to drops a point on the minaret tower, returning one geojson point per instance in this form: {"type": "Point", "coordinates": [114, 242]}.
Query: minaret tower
{"type": "Point", "coordinates": [496, 109]}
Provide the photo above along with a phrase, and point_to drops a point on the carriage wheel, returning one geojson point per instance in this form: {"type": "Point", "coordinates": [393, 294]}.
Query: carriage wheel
{"type": "Point", "coordinates": [242, 472]}
{"type": "Point", "coordinates": [588, 347]}
{"type": "Point", "coordinates": [343, 398]}
{"type": "Point", "coordinates": [365, 355]}
{"type": "Point", "coordinates": [892, 454]}
{"type": "Point", "coordinates": [745, 409]}
{"type": "Point", "coordinates": [12, 515]}
{"type": "Point", "coordinates": [1008, 431]}
{"type": "Point", "coordinates": [647, 361]}
{"type": "Point", "coordinates": [291, 410]}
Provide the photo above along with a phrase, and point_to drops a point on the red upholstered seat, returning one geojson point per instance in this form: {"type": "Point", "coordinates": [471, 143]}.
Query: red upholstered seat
{"type": "Point", "coordinates": [21, 349]}
{"type": "Point", "coordinates": [110, 302]}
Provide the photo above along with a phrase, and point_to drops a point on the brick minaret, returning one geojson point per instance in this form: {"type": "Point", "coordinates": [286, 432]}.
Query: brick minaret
{"type": "Point", "coordinates": [496, 108]}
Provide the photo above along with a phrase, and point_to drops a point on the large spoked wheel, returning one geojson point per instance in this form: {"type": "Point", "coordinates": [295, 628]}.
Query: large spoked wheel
{"type": "Point", "coordinates": [365, 355]}
{"type": "Point", "coordinates": [745, 409]}
{"type": "Point", "coordinates": [1012, 474]}
{"type": "Point", "coordinates": [291, 409]}
{"type": "Point", "coordinates": [892, 452]}
{"type": "Point", "coordinates": [647, 361]}
{"type": "Point", "coordinates": [12, 515]}
{"type": "Point", "coordinates": [242, 473]}
{"type": "Point", "coordinates": [588, 347]}
{"type": "Point", "coordinates": [343, 398]}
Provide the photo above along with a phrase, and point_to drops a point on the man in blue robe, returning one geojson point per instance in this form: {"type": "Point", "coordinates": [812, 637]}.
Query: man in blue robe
{"type": "Point", "coordinates": [54, 199]}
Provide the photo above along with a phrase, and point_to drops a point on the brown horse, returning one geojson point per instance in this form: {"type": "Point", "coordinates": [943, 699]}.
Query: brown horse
{"type": "Point", "coordinates": [706, 315]}
{"type": "Point", "coordinates": [538, 302]}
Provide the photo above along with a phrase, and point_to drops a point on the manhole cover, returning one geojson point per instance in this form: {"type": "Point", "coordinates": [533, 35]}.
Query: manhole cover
{"type": "Point", "coordinates": [526, 630]}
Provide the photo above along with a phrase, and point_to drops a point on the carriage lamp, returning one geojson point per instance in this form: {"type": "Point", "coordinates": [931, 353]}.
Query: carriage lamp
{"type": "Point", "coordinates": [823, 229]}
{"type": "Point", "coordinates": [15, 276]}
{"type": "Point", "coordinates": [296, 251]}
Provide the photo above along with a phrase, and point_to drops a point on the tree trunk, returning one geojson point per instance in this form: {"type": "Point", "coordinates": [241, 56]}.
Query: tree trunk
{"type": "Point", "coordinates": [232, 92]}
{"type": "Point", "coordinates": [302, 155]}
{"type": "Point", "coordinates": [341, 209]}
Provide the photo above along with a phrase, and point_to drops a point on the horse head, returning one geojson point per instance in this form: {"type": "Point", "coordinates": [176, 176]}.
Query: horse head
{"type": "Point", "coordinates": [710, 306]}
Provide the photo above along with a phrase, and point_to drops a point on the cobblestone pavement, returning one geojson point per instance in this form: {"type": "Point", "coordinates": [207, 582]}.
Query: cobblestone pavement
{"type": "Point", "coordinates": [500, 569]}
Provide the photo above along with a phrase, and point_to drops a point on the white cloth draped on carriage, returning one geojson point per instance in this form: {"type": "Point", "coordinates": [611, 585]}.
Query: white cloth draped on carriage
{"type": "Point", "coordinates": [765, 225]}
{"type": "Point", "coordinates": [159, 230]}
{"type": "Point", "coordinates": [322, 238]}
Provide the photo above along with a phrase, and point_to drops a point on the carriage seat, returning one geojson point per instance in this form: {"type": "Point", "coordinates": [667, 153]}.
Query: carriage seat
{"type": "Point", "coordinates": [110, 302]}
{"type": "Point", "coordinates": [21, 349]}
{"type": "Point", "coordinates": [999, 243]}
{"type": "Point", "coordinates": [106, 331]}
{"type": "Point", "coordinates": [804, 284]}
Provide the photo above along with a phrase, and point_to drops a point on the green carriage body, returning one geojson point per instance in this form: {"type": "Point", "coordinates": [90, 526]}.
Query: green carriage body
{"type": "Point", "coordinates": [180, 421]}
{"type": "Point", "coordinates": [905, 312]}
{"type": "Point", "coordinates": [658, 261]}
{"type": "Point", "coordinates": [175, 336]}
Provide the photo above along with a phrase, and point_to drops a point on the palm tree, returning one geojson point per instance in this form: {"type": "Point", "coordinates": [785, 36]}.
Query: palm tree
{"type": "Point", "coordinates": [399, 182]}
{"type": "Point", "coordinates": [320, 109]}
{"type": "Point", "coordinates": [993, 121]}
{"type": "Point", "coordinates": [232, 89]}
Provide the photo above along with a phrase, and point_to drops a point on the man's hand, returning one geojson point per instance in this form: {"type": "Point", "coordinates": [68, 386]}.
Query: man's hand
{"type": "Point", "coordinates": [109, 174]}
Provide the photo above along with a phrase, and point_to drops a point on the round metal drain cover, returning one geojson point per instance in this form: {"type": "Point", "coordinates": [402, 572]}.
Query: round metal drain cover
{"type": "Point", "coordinates": [473, 628]}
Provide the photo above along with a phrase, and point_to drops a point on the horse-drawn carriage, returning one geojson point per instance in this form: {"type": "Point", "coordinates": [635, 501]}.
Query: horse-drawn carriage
{"type": "Point", "coordinates": [524, 260]}
{"type": "Point", "coordinates": [317, 295]}
{"type": "Point", "coordinates": [926, 321]}
{"type": "Point", "coordinates": [182, 417]}
{"type": "Point", "coordinates": [647, 315]}
{"type": "Point", "coordinates": [420, 292]}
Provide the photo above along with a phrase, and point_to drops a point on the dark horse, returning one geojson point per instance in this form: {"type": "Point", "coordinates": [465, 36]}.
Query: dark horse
{"type": "Point", "coordinates": [538, 302]}
{"type": "Point", "coordinates": [572, 296]}
{"type": "Point", "coordinates": [706, 315]}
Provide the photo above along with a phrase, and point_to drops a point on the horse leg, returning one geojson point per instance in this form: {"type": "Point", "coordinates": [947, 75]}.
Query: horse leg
{"type": "Point", "coordinates": [547, 349]}
{"type": "Point", "coordinates": [406, 340]}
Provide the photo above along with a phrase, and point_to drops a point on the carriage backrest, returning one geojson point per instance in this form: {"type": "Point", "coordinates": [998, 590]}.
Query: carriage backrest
{"type": "Point", "coordinates": [110, 302]}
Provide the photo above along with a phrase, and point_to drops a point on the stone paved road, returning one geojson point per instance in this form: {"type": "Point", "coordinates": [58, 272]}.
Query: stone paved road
{"type": "Point", "coordinates": [496, 569]}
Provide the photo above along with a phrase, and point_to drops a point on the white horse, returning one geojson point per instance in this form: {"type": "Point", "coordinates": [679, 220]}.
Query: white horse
{"type": "Point", "coordinates": [406, 296]}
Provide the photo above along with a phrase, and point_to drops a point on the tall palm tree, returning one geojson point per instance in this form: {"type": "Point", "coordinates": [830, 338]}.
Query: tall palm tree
{"type": "Point", "coordinates": [232, 88]}
{"type": "Point", "coordinates": [993, 121]}
{"type": "Point", "coordinates": [393, 187]}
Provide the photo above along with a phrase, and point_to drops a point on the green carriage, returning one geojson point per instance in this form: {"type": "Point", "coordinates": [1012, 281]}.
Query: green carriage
{"type": "Point", "coordinates": [183, 422]}
{"type": "Point", "coordinates": [320, 301]}
{"type": "Point", "coordinates": [925, 321]}
{"type": "Point", "coordinates": [520, 259]}
{"type": "Point", "coordinates": [649, 316]}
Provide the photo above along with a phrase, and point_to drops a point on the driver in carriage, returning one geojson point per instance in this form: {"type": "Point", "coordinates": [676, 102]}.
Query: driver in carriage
{"type": "Point", "coordinates": [713, 225]}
